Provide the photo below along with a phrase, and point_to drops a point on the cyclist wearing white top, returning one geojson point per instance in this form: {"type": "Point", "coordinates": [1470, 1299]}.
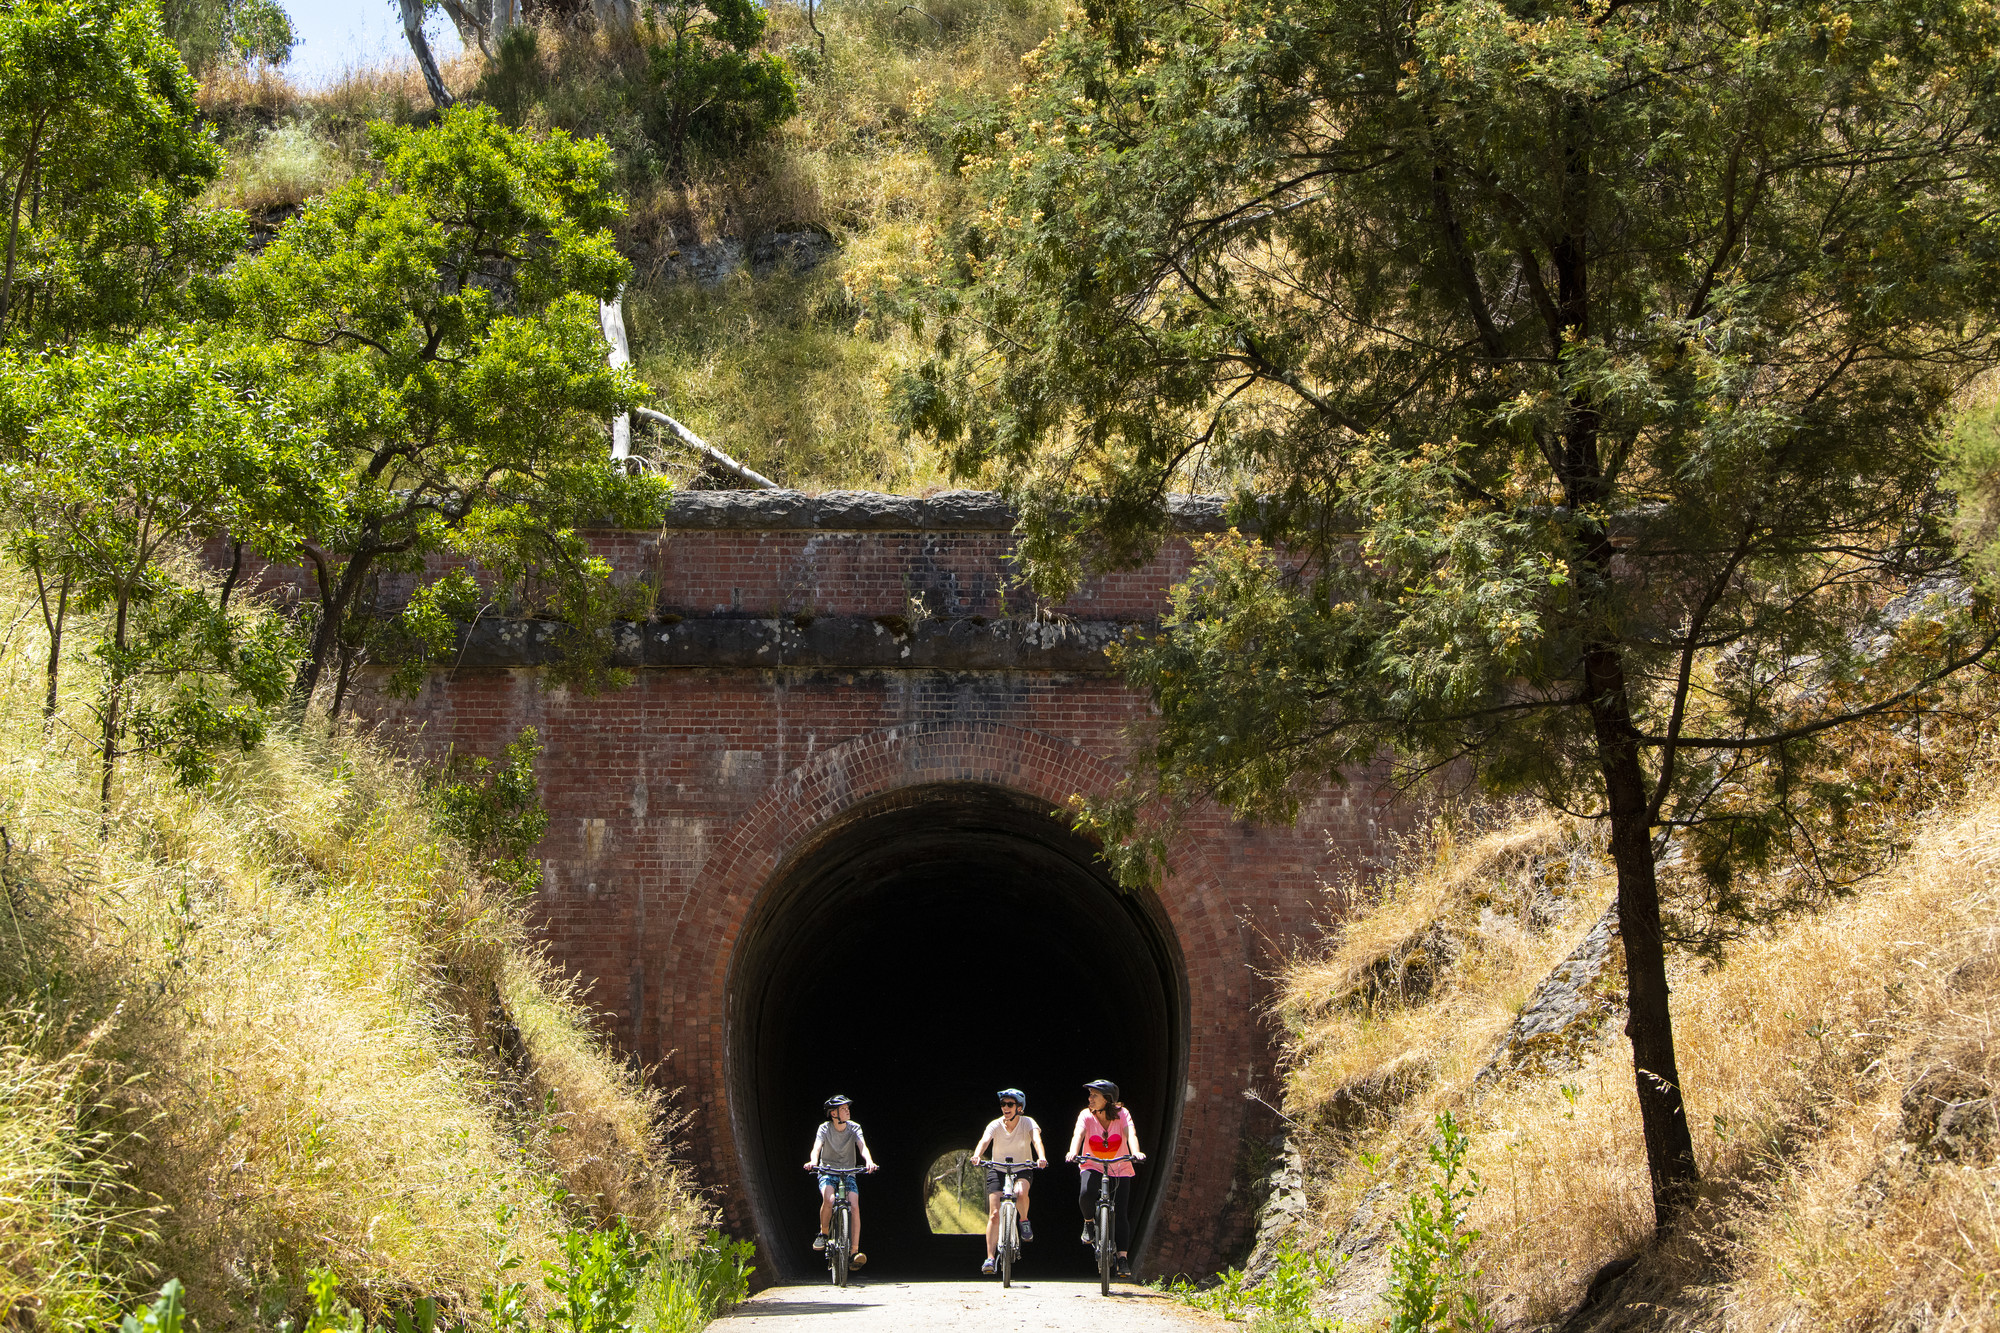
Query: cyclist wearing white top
{"type": "Point", "coordinates": [1010, 1138]}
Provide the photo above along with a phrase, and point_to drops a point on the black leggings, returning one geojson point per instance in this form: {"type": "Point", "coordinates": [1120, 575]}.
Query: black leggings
{"type": "Point", "coordinates": [1121, 1200]}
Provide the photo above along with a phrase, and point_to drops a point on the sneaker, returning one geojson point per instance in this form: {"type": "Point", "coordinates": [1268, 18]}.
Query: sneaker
{"type": "Point", "coordinates": [1090, 1233]}
{"type": "Point", "coordinates": [858, 1261]}
{"type": "Point", "coordinates": [1121, 1267]}
{"type": "Point", "coordinates": [819, 1241]}
{"type": "Point", "coordinates": [987, 1268]}
{"type": "Point", "coordinates": [1027, 1232]}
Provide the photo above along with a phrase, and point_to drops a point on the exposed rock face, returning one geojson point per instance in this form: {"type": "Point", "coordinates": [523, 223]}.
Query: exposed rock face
{"type": "Point", "coordinates": [713, 263]}
{"type": "Point", "coordinates": [1567, 1013]}
{"type": "Point", "coordinates": [1284, 1207]}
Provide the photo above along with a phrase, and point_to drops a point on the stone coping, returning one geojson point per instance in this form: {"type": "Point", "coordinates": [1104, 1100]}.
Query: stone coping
{"type": "Point", "coordinates": [868, 511]}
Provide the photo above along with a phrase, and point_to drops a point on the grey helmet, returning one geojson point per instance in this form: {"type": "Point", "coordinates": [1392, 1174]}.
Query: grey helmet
{"type": "Point", "coordinates": [838, 1099]}
{"type": "Point", "coordinates": [1017, 1095]}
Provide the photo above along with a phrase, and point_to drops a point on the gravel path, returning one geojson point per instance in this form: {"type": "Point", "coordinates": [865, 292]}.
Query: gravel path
{"type": "Point", "coordinates": [963, 1307]}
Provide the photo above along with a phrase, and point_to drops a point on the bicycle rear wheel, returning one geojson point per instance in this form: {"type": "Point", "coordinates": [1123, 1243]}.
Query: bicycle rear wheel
{"type": "Point", "coordinates": [1107, 1244]}
{"type": "Point", "coordinates": [837, 1251]}
{"type": "Point", "coordinates": [1009, 1241]}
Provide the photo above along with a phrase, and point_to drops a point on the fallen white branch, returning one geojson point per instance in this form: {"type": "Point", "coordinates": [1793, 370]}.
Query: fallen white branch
{"type": "Point", "coordinates": [705, 449]}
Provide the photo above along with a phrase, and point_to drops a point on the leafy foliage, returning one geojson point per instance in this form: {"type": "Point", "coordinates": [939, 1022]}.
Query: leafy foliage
{"type": "Point", "coordinates": [711, 86]}
{"type": "Point", "coordinates": [495, 809]}
{"type": "Point", "coordinates": [117, 460]}
{"type": "Point", "coordinates": [103, 155]}
{"type": "Point", "coordinates": [442, 322]}
{"type": "Point", "coordinates": [210, 32]}
{"type": "Point", "coordinates": [1431, 1285]}
{"type": "Point", "coordinates": [1590, 359]}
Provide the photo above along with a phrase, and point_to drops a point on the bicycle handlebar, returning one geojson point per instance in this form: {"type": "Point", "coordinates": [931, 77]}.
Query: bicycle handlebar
{"type": "Point", "coordinates": [1010, 1167]}
{"type": "Point", "coordinates": [1081, 1158]}
{"type": "Point", "coordinates": [840, 1170]}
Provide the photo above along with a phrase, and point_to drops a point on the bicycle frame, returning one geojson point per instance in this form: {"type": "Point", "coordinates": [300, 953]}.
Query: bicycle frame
{"type": "Point", "coordinates": [1107, 1218]}
{"type": "Point", "coordinates": [1008, 1247]}
{"type": "Point", "coordinates": [838, 1244]}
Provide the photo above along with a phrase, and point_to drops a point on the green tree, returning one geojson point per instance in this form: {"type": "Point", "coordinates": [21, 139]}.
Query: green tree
{"type": "Point", "coordinates": [209, 33]}
{"type": "Point", "coordinates": [1590, 359]}
{"type": "Point", "coordinates": [710, 84]}
{"type": "Point", "coordinates": [103, 155]}
{"type": "Point", "coordinates": [118, 462]}
{"type": "Point", "coordinates": [442, 322]}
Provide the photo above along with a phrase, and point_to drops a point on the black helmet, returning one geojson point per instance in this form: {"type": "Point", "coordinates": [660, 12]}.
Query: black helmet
{"type": "Point", "coordinates": [1105, 1086]}
{"type": "Point", "coordinates": [1016, 1094]}
{"type": "Point", "coordinates": [837, 1100]}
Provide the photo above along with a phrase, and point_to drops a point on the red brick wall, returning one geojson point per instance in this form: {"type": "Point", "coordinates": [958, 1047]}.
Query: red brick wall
{"type": "Point", "coordinates": [674, 801]}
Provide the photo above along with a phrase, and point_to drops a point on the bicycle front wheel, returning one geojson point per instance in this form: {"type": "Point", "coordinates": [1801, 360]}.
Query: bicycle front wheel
{"type": "Point", "coordinates": [1107, 1245]}
{"type": "Point", "coordinates": [1010, 1242]}
{"type": "Point", "coordinates": [838, 1251]}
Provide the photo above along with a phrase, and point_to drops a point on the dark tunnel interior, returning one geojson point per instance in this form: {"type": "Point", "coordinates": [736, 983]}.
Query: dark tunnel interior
{"type": "Point", "coordinates": [918, 955]}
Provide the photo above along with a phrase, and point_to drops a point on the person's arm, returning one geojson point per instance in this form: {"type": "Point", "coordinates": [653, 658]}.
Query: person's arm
{"type": "Point", "coordinates": [867, 1158]}
{"type": "Point", "coordinates": [1075, 1139]}
{"type": "Point", "coordinates": [979, 1151]}
{"type": "Point", "coordinates": [1041, 1152]}
{"type": "Point", "coordinates": [1132, 1138]}
{"type": "Point", "coordinates": [812, 1158]}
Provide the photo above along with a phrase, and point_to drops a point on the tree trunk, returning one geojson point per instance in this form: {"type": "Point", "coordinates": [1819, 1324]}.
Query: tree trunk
{"type": "Point", "coordinates": [54, 620]}
{"type": "Point", "coordinates": [29, 162]}
{"type": "Point", "coordinates": [1662, 1110]}
{"type": "Point", "coordinates": [114, 690]}
{"type": "Point", "coordinates": [334, 599]}
{"type": "Point", "coordinates": [611, 316]}
{"type": "Point", "coordinates": [413, 29]}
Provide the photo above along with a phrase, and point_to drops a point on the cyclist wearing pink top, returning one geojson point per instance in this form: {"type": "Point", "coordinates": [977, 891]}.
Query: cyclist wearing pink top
{"type": "Point", "coordinates": [1103, 1131]}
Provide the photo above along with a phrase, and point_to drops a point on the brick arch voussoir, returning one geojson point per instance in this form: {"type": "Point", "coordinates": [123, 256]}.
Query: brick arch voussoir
{"type": "Point", "coordinates": [860, 770]}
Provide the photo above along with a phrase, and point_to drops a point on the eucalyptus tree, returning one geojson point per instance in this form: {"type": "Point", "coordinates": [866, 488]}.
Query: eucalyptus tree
{"type": "Point", "coordinates": [1587, 361]}
{"type": "Point", "coordinates": [441, 322]}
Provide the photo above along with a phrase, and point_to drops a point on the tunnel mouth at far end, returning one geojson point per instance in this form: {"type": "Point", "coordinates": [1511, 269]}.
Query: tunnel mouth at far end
{"type": "Point", "coordinates": [917, 954]}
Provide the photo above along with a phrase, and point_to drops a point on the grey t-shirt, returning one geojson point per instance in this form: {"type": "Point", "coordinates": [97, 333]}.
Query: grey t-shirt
{"type": "Point", "coordinates": [839, 1145]}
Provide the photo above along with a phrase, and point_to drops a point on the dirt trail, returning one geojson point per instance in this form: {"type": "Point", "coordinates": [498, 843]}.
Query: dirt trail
{"type": "Point", "coordinates": [963, 1307]}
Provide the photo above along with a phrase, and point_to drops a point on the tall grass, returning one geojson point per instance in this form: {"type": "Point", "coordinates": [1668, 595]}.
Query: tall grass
{"type": "Point", "coordinates": [296, 1027]}
{"type": "Point", "coordinates": [1810, 1055]}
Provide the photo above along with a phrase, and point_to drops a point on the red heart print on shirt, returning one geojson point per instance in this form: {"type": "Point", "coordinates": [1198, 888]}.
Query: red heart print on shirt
{"type": "Point", "coordinates": [1103, 1147]}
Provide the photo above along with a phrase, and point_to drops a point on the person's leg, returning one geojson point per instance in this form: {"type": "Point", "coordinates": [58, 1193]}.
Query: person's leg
{"type": "Point", "coordinates": [854, 1210]}
{"type": "Point", "coordinates": [1021, 1204]}
{"type": "Point", "coordinates": [992, 1222]}
{"type": "Point", "coordinates": [826, 1209]}
{"type": "Point", "coordinates": [1121, 1199]}
{"type": "Point", "coordinates": [1086, 1203]}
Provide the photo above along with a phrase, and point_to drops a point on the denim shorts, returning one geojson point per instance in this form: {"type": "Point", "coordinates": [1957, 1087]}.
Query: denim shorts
{"type": "Point", "coordinates": [853, 1184]}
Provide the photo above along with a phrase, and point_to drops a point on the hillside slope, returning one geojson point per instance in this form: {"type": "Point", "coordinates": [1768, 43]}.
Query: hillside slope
{"type": "Point", "coordinates": [279, 1025]}
{"type": "Point", "coordinates": [1840, 1069]}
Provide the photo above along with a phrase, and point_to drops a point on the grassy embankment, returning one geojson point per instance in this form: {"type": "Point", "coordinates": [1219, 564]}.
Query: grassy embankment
{"type": "Point", "coordinates": [785, 370]}
{"type": "Point", "coordinates": [1819, 1054]}
{"type": "Point", "coordinates": [281, 1025]}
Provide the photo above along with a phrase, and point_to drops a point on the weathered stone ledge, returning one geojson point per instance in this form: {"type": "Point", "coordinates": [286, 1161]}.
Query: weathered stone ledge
{"type": "Point", "coordinates": [831, 642]}
{"type": "Point", "coordinates": [867, 511]}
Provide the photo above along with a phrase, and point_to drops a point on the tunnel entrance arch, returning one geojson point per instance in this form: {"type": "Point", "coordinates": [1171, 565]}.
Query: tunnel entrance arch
{"type": "Point", "coordinates": [917, 952]}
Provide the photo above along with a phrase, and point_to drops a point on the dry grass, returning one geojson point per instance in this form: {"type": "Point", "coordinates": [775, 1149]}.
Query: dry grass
{"type": "Point", "coordinates": [322, 1039]}
{"type": "Point", "coordinates": [1824, 1204]}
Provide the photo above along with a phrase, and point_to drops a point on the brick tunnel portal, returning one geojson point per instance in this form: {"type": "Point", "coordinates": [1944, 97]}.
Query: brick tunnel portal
{"type": "Point", "coordinates": [918, 954]}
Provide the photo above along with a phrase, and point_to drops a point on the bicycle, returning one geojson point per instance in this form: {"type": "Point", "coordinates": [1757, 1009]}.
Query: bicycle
{"type": "Point", "coordinates": [838, 1245]}
{"type": "Point", "coordinates": [1107, 1216]}
{"type": "Point", "coordinates": [1008, 1247]}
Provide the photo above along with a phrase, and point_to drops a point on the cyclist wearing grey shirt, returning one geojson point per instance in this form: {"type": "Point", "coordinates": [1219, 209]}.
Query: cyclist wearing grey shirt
{"type": "Point", "coordinates": [840, 1143]}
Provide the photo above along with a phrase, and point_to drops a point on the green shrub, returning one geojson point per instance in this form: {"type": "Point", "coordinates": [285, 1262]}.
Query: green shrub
{"type": "Point", "coordinates": [1431, 1287]}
